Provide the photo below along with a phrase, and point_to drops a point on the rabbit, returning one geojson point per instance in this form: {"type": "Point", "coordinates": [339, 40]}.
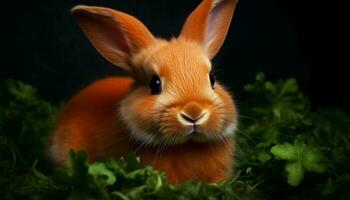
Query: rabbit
{"type": "Point", "coordinates": [170, 110]}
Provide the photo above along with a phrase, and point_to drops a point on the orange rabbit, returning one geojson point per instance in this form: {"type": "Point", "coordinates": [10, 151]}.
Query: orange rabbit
{"type": "Point", "coordinates": [171, 112]}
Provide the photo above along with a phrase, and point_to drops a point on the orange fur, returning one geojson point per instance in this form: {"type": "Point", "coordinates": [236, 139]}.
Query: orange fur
{"type": "Point", "coordinates": [89, 121]}
{"type": "Point", "coordinates": [193, 161]}
{"type": "Point", "coordinates": [116, 29]}
{"type": "Point", "coordinates": [197, 23]}
{"type": "Point", "coordinates": [115, 116]}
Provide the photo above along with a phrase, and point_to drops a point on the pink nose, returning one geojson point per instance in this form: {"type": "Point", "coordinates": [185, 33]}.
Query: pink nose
{"type": "Point", "coordinates": [191, 119]}
{"type": "Point", "coordinates": [192, 113]}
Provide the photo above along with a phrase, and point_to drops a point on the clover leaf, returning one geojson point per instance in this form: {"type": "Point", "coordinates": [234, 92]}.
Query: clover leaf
{"type": "Point", "coordinates": [300, 158]}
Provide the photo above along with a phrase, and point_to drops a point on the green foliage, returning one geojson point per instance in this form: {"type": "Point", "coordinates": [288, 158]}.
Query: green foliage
{"type": "Point", "coordinates": [300, 157]}
{"type": "Point", "coordinates": [294, 152]}
{"type": "Point", "coordinates": [285, 150]}
{"type": "Point", "coordinates": [25, 120]}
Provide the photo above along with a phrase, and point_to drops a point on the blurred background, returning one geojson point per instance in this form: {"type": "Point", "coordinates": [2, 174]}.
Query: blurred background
{"type": "Point", "coordinates": [42, 45]}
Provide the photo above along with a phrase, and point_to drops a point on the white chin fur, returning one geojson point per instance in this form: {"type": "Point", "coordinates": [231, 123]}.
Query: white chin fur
{"type": "Point", "coordinates": [152, 139]}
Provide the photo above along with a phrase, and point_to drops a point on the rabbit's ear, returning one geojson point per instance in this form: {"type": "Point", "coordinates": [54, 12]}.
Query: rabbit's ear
{"type": "Point", "coordinates": [116, 35]}
{"type": "Point", "coordinates": [208, 24]}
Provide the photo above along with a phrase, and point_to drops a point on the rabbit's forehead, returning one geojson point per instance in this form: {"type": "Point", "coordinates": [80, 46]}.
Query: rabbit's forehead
{"type": "Point", "coordinates": [179, 58]}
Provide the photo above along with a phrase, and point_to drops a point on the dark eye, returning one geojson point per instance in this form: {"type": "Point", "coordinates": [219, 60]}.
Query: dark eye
{"type": "Point", "coordinates": [155, 85]}
{"type": "Point", "coordinates": [212, 80]}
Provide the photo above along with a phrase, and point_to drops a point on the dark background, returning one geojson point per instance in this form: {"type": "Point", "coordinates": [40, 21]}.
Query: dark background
{"type": "Point", "coordinates": [43, 46]}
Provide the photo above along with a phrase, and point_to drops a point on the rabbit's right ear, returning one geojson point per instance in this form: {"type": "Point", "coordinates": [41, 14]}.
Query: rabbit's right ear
{"type": "Point", "coordinates": [116, 35]}
{"type": "Point", "coordinates": [208, 24]}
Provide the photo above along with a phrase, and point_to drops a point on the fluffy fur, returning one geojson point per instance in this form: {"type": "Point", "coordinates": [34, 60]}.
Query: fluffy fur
{"type": "Point", "coordinates": [115, 116]}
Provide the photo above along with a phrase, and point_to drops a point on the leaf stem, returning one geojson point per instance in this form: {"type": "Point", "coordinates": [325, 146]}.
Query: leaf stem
{"type": "Point", "coordinates": [101, 189]}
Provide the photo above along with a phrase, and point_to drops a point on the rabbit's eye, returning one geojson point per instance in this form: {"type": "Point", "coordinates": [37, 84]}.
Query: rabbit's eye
{"type": "Point", "coordinates": [155, 85]}
{"type": "Point", "coordinates": [212, 80]}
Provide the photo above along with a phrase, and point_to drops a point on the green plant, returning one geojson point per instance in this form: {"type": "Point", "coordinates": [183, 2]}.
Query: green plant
{"type": "Point", "coordinates": [292, 151]}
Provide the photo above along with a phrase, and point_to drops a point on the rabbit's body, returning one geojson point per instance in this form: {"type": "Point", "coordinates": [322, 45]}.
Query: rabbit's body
{"type": "Point", "coordinates": [89, 122]}
{"type": "Point", "coordinates": [208, 162]}
{"type": "Point", "coordinates": [171, 112]}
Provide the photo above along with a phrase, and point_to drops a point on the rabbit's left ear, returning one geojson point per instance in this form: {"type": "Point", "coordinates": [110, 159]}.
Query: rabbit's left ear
{"type": "Point", "coordinates": [116, 35]}
{"type": "Point", "coordinates": [208, 24]}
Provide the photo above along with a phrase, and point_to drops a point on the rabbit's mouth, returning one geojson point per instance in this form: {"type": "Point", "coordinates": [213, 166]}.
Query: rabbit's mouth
{"type": "Point", "coordinates": [194, 133]}
{"type": "Point", "coordinates": [197, 133]}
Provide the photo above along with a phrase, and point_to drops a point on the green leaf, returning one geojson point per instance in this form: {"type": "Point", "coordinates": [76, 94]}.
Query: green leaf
{"type": "Point", "coordinates": [295, 173]}
{"type": "Point", "coordinates": [290, 86]}
{"type": "Point", "coordinates": [313, 160]}
{"type": "Point", "coordinates": [76, 163]}
{"type": "Point", "coordinates": [284, 151]}
{"type": "Point", "coordinates": [270, 87]}
{"type": "Point", "coordinates": [101, 173]}
{"type": "Point", "coordinates": [328, 188]}
{"type": "Point", "coordinates": [264, 157]}
{"type": "Point", "coordinates": [260, 77]}
{"type": "Point", "coordinates": [133, 162]}
{"type": "Point", "coordinates": [76, 169]}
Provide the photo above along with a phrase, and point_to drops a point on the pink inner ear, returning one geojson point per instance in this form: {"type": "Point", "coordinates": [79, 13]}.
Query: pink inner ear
{"type": "Point", "coordinates": [107, 30]}
{"type": "Point", "coordinates": [213, 24]}
{"type": "Point", "coordinates": [114, 37]}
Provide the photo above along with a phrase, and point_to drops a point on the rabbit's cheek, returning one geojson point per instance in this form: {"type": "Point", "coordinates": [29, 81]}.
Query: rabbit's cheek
{"type": "Point", "coordinates": [229, 129]}
{"type": "Point", "coordinates": [213, 123]}
{"type": "Point", "coordinates": [168, 124]}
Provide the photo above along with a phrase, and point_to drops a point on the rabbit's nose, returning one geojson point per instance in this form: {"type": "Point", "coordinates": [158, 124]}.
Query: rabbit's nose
{"type": "Point", "coordinates": [193, 114]}
{"type": "Point", "coordinates": [194, 120]}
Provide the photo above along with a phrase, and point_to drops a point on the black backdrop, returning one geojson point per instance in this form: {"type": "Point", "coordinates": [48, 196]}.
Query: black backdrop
{"type": "Point", "coordinates": [42, 45]}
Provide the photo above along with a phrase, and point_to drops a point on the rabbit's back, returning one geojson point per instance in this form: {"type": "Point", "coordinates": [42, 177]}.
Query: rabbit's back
{"type": "Point", "coordinates": [89, 121]}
